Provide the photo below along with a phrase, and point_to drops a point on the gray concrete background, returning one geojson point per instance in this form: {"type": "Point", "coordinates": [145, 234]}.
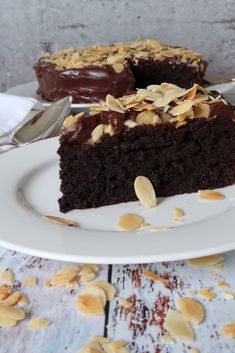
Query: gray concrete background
{"type": "Point", "coordinates": [30, 27]}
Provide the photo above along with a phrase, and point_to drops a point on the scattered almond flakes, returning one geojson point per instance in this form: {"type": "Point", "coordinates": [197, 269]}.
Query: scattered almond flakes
{"type": "Point", "coordinates": [7, 322]}
{"type": "Point", "coordinates": [192, 310]}
{"type": "Point", "coordinates": [23, 300]}
{"type": "Point", "coordinates": [228, 296]}
{"type": "Point", "coordinates": [207, 293]}
{"type": "Point", "coordinates": [228, 330]}
{"type": "Point", "coordinates": [66, 276]}
{"type": "Point", "coordinates": [7, 277]}
{"type": "Point", "coordinates": [125, 303]}
{"type": "Point", "coordinates": [223, 285]}
{"type": "Point", "coordinates": [11, 300]}
{"type": "Point", "coordinates": [177, 326]}
{"type": "Point", "coordinates": [155, 277]}
{"type": "Point", "coordinates": [11, 312]}
{"type": "Point", "coordinates": [60, 220]}
{"type": "Point", "coordinates": [108, 288]}
{"type": "Point", "coordinates": [5, 291]}
{"type": "Point", "coordinates": [145, 192]}
{"type": "Point", "coordinates": [86, 276]}
{"type": "Point", "coordinates": [89, 304]}
{"type": "Point", "coordinates": [100, 344]}
{"type": "Point", "coordinates": [37, 324]}
{"type": "Point", "coordinates": [130, 221]}
{"type": "Point", "coordinates": [30, 281]}
{"type": "Point", "coordinates": [205, 261]}
{"type": "Point", "coordinates": [167, 339]}
{"type": "Point", "coordinates": [210, 196]}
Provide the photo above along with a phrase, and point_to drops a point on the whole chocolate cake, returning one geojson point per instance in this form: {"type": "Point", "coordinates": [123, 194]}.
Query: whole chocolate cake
{"type": "Point", "coordinates": [182, 140]}
{"type": "Point", "coordinates": [89, 74]}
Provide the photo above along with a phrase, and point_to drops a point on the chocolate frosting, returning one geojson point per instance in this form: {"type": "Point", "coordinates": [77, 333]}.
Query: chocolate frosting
{"type": "Point", "coordinates": [90, 84]}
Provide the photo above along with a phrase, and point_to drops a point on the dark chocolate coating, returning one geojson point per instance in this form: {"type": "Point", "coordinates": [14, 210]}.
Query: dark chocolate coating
{"type": "Point", "coordinates": [87, 85]}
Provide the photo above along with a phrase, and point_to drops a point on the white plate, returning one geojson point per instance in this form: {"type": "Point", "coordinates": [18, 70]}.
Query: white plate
{"type": "Point", "coordinates": [33, 171]}
{"type": "Point", "coordinates": [29, 90]}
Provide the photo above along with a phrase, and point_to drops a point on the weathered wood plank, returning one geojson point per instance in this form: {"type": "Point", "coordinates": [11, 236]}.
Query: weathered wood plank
{"type": "Point", "coordinates": [68, 330]}
{"type": "Point", "coordinates": [142, 325]}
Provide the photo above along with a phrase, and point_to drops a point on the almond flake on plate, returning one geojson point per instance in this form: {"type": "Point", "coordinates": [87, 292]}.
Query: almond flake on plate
{"type": "Point", "coordinates": [145, 192]}
{"type": "Point", "coordinates": [130, 221]}
{"type": "Point", "coordinates": [178, 213]}
{"type": "Point", "coordinates": [210, 196]}
{"type": "Point", "coordinates": [205, 261]}
{"type": "Point", "coordinates": [30, 281]}
{"type": "Point", "coordinates": [228, 330]}
{"type": "Point", "coordinates": [160, 229]}
{"type": "Point", "coordinates": [7, 277]}
{"type": "Point", "coordinates": [192, 310]}
{"type": "Point", "coordinates": [207, 293]}
{"type": "Point", "coordinates": [59, 220]}
{"type": "Point", "coordinates": [37, 323]}
{"type": "Point", "coordinates": [155, 277]}
{"type": "Point", "coordinates": [177, 326]}
{"type": "Point", "coordinates": [108, 288]}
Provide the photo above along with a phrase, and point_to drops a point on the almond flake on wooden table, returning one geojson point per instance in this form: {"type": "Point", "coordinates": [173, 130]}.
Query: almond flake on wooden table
{"type": "Point", "coordinates": [177, 326]}
{"type": "Point", "coordinates": [207, 293]}
{"type": "Point", "coordinates": [7, 322]}
{"type": "Point", "coordinates": [145, 192]}
{"type": "Point", "coordinates": [223, 285]}
{"type": "Point", "coordinates": [192, 310]}
{"type": "Point", "coordinates": [219, 268]}
{"type": "Point", "coordinates": [228, 330]}
{"type": "Point", "coordinates": [30, 281]}
{"type": "Point", "coordinates": [37, 323]}
{"type": "Point", "coordinates": [7, 277]}
{"type": "Point", "coordinates": [205, 261]}
{"type": "Point", "coordinates": [12, 312]}
{"type": "Point", "coordinates": [100, 344]}
{"type": "Point", "coordinates": [210, 196]}
{"type": "Point", "coordinates": [125, 303]}
{"type": "Point", "coordinates": [228, 296]}
{"type": "Point", "coordinates": [107, 287]}
{"type": "Point", "coordinates": [11, 300]}
{"type": "Point", "coordinates": [193, 350]}
{"type": "Point", "coordinates": [23, 300]}
{"type": "Point", "coordinates": [59, 220]}
{"type": "Point", "coordinates": [130, 221]}
{"type": "Point", "coordinates": [67, 276]}
{"type": "Point", "coordinates": [155, 277]}
{"type": "Point", "coordinates": [91, 301]}
{"type": "Point", "coordinates": [5, 291]}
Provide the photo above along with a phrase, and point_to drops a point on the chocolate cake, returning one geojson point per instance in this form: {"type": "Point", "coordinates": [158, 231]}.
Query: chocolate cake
{"type": "Point", "coordinates": [181, 140]}
{"type": "Point", "coordinates": [89, 74]}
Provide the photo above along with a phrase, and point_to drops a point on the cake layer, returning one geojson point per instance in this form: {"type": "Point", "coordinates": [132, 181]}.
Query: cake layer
{"type": "Point", "coordinates": [181, 140]}
{"type": "Point", "coordinates": [89, 74]}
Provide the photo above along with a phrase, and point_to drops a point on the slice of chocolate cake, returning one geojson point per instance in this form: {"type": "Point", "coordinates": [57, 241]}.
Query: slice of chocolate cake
{"type": "Point", "coordinates": [89, 74]}
{"type": "Point", "coordinates": [181, 140]}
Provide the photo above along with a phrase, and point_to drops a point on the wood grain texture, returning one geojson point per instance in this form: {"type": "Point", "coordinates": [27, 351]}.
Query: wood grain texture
{"type": "Point", "coordinates": [141, 325]}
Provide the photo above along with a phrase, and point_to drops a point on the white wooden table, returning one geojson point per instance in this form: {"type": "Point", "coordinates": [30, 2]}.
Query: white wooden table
{"type": "Point", "coordinates": [141, 325]}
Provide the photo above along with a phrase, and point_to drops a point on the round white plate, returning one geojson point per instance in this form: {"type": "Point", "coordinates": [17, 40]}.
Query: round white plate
{"type": "Point", "coordinates": [29, 90]}
{"type": "Point", "coordinates": [31, 173]}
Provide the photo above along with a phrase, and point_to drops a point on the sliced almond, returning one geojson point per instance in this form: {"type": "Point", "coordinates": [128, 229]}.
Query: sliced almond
{"type": "Point", "coordinates": [180, 123]}
{"type": "Point", "coordinates": [223, 285]}
{"type": "Point", "coordinates": [155, 277]}
{"type": "Point", "coordinates": [11, 300]}
{"type": "Point", "coordinates": [125, 303]}
{"type": "Point", "coordinates": [7, 322]}
{"type": "Point", "coordinates": [108, 129]}
{"type": "Point", "coordinates": [228, 330]}
{"type": "Point", "coordinates": [210, 196]}
{"type": "Point", "coordinates": [92, 267]}
{"type": "Point", "coordinates": [202, 110]}
{"type": "Point", "coordinates": [178, 213]}
{"type": "Point", "coordinates": [177, 326]}
{"type": "Point", "coordinates": [207, 293]}
{"type": "Point", "coordinates": [147, 117]}
{"type": "Point", "coordinates": [71, 120]}
{"type": "Point", "coordinates": [114, 104]}
{"type": "Point", "coordinates": [7, 277]}
{"type": "Point", "coordinates": [30, 281]}
{"type": "Point", "coordinates": [100, 339]}
{"type": "Point", "coordinates": [130, 123]}
{"type": "Point", "coordinates": [12, 312]}
{"type": "Point", "coordinates": [118, 67]}
{"type": "Point", "coordinates": [87, 276]}
{"type": "Point", "coordinates": [228, 296]}
{"type": "Point", "coordinates": [108, 288]}
{"type": "Point", "coordinates": [5, 291]}
{"type": "Point", "coordinates": [182, 107]}
{"type": "Point", "coordinates": [59, 220]}
{"type": "Point", "coordinates": [219, 268]}
{"type": "Point", "coordinates": [160, 229]}
{"type": "Point", "coordinates": [192, 310]}
{"type": "Point", "coordinates": [65, 276]}
{"type": "Point", "coordinates": [114, 346]}
{"type": "Point", "coordinates": [130, 221]}
{"type": "Point", "coordinates": [89, 304]}
{"type": "Point", "coordinates": [167, 339]}
{"type": "Point", "coordinates": [96, 291]}
{"type": "Point", "coordinates": [193, 350]}
{"type": "Point", "coordinates": [97, 133]}
{"type": "Point", "coordinates": [23, 300]}
{"type": "Point", "coordinates": [37, 323]}
{"type": "Point", "coordinates": [205, 261]}
{"type": "Point", "coordinates": [145, 192]}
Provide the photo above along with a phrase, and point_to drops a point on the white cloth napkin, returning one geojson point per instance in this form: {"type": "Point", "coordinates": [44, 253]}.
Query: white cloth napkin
{"type": "Point", "coordinates": [13, 110]}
